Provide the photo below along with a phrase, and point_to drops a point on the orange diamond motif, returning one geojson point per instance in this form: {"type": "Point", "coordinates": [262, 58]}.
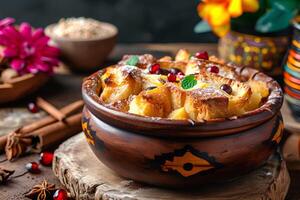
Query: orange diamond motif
{"type": "Point", "coordinates": [187, 165]}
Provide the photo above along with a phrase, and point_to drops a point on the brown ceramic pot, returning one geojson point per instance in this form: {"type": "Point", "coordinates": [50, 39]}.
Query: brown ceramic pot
{"type": "Point", "coordinates": [175, 153]}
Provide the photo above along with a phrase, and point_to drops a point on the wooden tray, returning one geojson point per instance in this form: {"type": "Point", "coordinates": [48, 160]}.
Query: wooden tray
{"type": "Point", "coordinates": [87, 178]}
{"type": "Point", "coordinates": [21, 86]}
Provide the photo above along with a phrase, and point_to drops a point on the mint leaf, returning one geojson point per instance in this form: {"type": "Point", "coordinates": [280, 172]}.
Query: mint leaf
{"type": "Point", "coordinates": [133, 60]}
{"type": "Point", "coordinates": [202, 27]}
{"type": "Point", "coordinates": [188, 82]}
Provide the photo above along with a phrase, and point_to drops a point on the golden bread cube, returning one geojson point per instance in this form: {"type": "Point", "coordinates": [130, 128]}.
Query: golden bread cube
{"type": "Point", "coordinates": [203, 104]}
{"type": "Point", "coordinates": [179, 114]}
{"type": "Point", "coordinates": [119, 83]}
{"type": "Point", "coordinates": [192, 67]}
{"type": "Point", "coordinates": [177, 95]}
{"type": "Point", "coordinates": [152, 103]}
{"type": "Point", "coordinates": [153, 80]}
{"type": "Point", "coordinates": [259, 90]}
{"type": "Point", "coordinates": [183, 55]}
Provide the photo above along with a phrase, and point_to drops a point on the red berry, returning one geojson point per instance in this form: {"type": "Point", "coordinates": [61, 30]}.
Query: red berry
{"type": "Point", "coordinates": [154, 69]}
{"type": "Point", "coordinates": [32, 107]}
{"type": "Point", "coordinates": [202, 55]}
{"type": "Point", "coordinates": [213, 69]}
{"type": "Point", "coordinates": [226, 88]}
{"type": "Point", "coordinates": [33, 167]}
{"type": "Point", "coordinates": [171, 77]}
{"type": "Point", "coordinates": [60, 194]}
{"type": "Point", "coordinates": [46, 158]}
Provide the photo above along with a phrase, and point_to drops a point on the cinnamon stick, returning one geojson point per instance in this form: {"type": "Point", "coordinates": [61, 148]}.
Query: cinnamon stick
{"type": "Point", "coordinates": [57, 132]}
{"type": "Point", "coordinates": [48, 136]}
{"type": "Point", "coordinates": [50, 109]}
{"type": "Point", "coordinates": [67, 110]}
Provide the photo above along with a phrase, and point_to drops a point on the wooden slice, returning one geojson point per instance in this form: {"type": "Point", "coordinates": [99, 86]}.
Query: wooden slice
{"type": "Point", "coordinates": [85, 177]}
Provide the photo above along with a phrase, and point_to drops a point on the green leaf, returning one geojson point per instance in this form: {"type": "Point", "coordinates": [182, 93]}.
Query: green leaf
{"type": "Point", "coordinates": [202, 27]}
{"type": "Point", "coordinates": [133, 60]}
{"type": "Point", "coordinates": [188, 82]}
{"type": "Point", "coordinates": [287, 5]}
{"type": "Point", "coordinates": [274, 20]}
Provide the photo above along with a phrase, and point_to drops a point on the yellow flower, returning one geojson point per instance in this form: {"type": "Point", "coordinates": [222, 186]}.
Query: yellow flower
{"type": "Point", "coordinates": [218, 12]}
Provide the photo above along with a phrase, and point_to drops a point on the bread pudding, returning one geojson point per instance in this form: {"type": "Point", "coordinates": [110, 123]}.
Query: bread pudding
{"type": "Point", "coordinates": [188, 87]}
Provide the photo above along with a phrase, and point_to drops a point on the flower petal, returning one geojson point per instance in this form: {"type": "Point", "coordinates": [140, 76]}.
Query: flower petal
{"type": "Point", "coordinates": [42, 67]}
{"type": "Point", "coordinates": [37, 33]}
{"type": "Point", "coordinates": [10, 52]}
{"type": "Point", "coordinates": [25, 30]}
{"type": "Point", "coordinates": [218, 16]}
{"type": "Point", "coordinates": [6, 22]}
{"type": "Point", "coordinates": [50, 51]}
{"type": "Point", "coordinates": [221, 30]}
{"type": "Point", "coordinates": [17, 64]}
{"type": "Point", "coordinates": [250, 5]}
{"type": "Point", "coordinates": [52, 61]}
{"type": "Point", "coordinates": [32, 69]}
{"type": "Point", "coordinates": [4, 40]}
{"type": "Point", "coordinates": [235, 8]}
{"type": "Point", "coordinates": [41, 42]}
{"type": "Point", "coordinates": [12, 34]}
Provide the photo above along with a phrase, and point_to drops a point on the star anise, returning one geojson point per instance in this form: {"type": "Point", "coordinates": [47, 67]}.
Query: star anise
{"type": "Point", "coordinates": [17, 144]}
{"type": "Point", "coordinates": [5, 174]}
{"type": "Point", "coordinates": [43, 191]}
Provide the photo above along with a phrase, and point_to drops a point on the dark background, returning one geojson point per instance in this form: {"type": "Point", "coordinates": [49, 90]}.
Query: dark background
{"type": "Point", "coordinates": [137, 20]}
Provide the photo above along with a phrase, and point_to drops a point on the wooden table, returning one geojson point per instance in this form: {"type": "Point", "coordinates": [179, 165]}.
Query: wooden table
{"type": "Point", "coordinates": [66, 88]}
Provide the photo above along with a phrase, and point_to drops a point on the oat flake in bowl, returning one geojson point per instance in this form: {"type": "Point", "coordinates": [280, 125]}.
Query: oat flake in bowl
{"type": "Point", "coordinates": [80, 28]}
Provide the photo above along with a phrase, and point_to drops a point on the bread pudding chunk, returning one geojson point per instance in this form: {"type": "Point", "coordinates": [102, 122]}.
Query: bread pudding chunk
{"type": "Point", "coordinates": [190, 87]}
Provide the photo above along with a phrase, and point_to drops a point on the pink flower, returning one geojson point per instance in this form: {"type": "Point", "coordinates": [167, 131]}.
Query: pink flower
{"type": "Point", "coordinates": [27, 50]}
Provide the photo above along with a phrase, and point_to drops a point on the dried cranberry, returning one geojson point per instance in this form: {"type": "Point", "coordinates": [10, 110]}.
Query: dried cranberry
{"type": "Point", "coordinates": [202, 55]}
{"type": "Point", "coordinates": [226, 88]}
{"type": "Point", "coordinates": [213, 69]}
{"type": "Point", "coordinates": [46, 158]}
{"type": "Point", "coordinates": [154, 69]}
{"type": "Point", "coordinates": [60, 194]}
{"type": "Point", "coordinates": [33, 167]}
{"type": "Point", "coordinates": [171, 77]}
{"type": "Point", "coordinates": [32, 107]}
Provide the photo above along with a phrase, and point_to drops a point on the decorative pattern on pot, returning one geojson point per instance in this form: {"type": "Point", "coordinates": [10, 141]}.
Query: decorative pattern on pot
{"type": "Point", "coordinates": [186, 161]}
{"type": "Point", "coordinates": [279, 132]}
{"type": "Point", "coordinates": [88, 132]}
{"type": "Point", "coordinates": [263, 53]}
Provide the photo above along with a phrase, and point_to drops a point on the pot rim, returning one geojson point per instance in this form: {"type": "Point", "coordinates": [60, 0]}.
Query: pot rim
{"type": "Point", "coordinates": [159, 126]}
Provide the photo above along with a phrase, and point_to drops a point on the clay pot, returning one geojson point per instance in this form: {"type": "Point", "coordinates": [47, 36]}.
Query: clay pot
{"type": "Point", "coordinates": [174, 153]}
{"type": "Point", "coordinates": [21, 86]}
{"type": "Point", "coordinates": [85, 54]}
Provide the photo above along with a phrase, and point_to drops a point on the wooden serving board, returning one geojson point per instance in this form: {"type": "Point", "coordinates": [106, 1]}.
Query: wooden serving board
{"type": "Point", "coordinates": [86, 177]}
